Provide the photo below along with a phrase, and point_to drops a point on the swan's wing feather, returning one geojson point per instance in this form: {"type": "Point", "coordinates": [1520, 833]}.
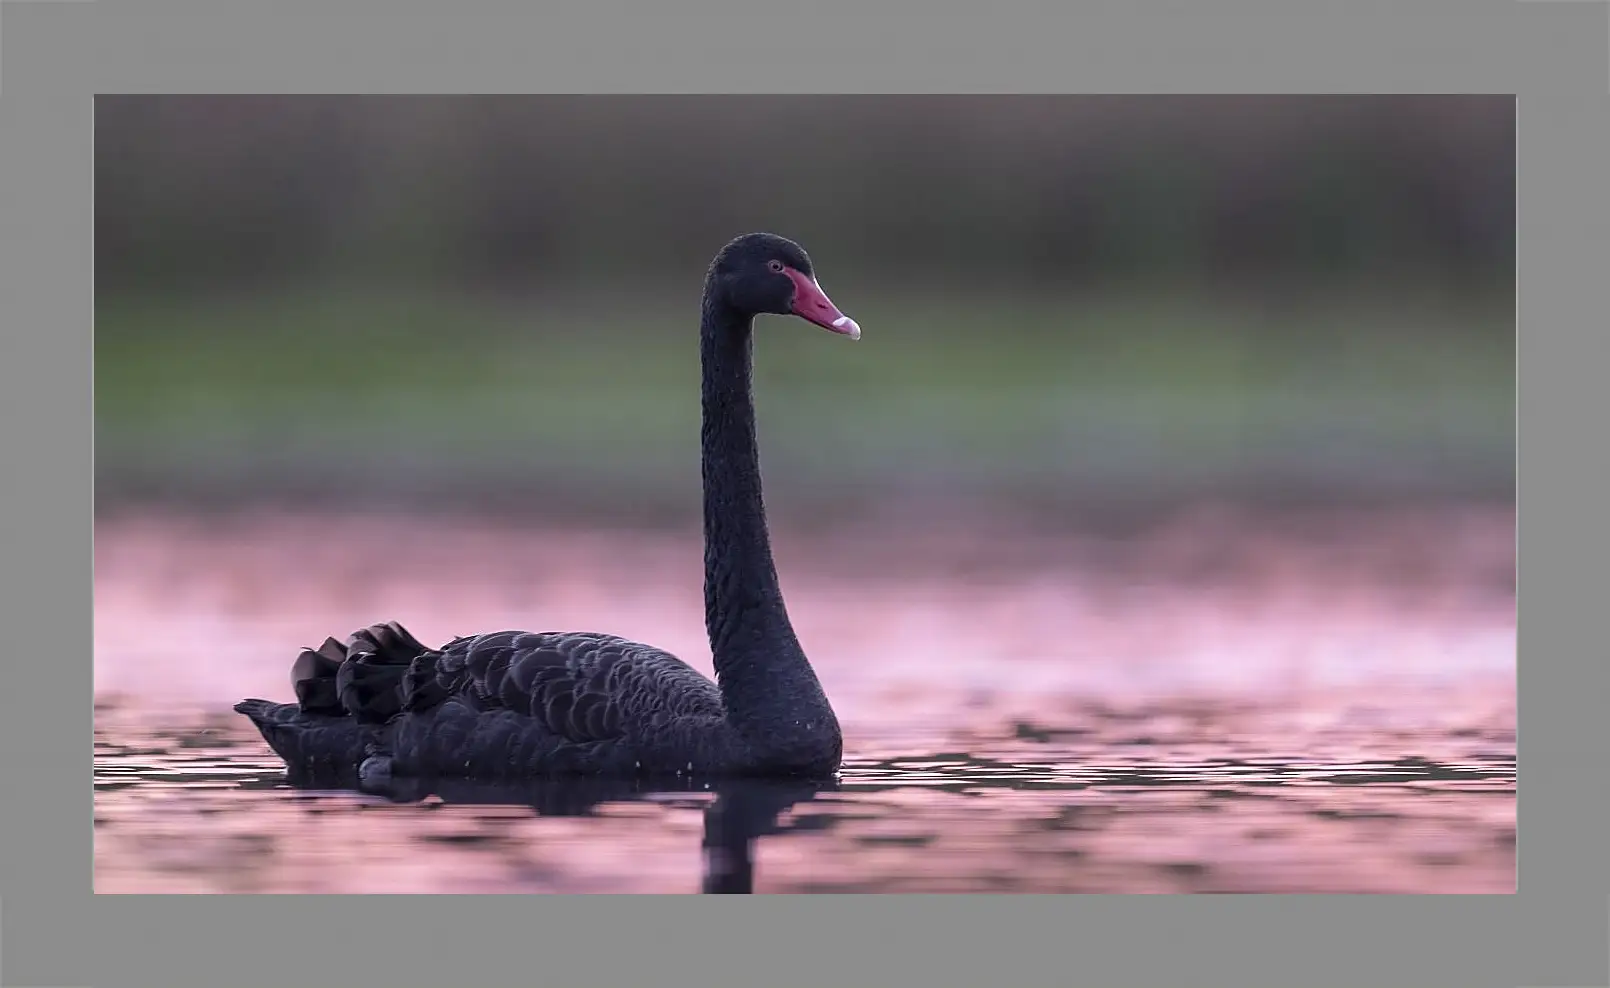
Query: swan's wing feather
{"type": "Point", "coordinates": [581, 686]}
{"type": "Point", "coordinates": [360, 676]}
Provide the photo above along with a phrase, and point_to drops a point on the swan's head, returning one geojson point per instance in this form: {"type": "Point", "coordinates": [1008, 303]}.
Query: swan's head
{"type": "Point", "coordinates": [764, 273]}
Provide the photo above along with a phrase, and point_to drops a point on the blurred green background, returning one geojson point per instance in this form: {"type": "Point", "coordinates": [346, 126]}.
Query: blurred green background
{"type": "Point", "coordinates": [1069, 302]}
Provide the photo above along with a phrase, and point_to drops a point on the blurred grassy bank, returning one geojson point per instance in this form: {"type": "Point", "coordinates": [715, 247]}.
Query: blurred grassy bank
{"type": "Point", "coordinates": [591, 406]}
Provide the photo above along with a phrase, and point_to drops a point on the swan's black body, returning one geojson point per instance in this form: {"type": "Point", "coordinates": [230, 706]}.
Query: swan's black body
{"type": "Point", "coordinates": [520, 705]}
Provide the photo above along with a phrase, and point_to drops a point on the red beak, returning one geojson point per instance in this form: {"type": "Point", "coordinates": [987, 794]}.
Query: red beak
{"type": "Point", "coordinates": [813, 305]}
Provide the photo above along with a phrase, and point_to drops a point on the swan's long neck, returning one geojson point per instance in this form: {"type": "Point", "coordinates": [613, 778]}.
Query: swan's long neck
{"type": "Point", "coordinates": [759, 664]}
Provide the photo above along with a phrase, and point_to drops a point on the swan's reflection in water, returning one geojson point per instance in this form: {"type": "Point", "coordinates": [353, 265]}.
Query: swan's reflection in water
{"type": "Point", "coordinates": [743, 812]}
{"type": "Point", "coordinates": [742, 809]}
{"type": "Point", "coordinates": [207, 811]}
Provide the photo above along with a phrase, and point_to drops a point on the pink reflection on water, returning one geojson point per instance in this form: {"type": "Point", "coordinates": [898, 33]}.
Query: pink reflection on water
{"type": "Point", "coordinates": [1341, 641]}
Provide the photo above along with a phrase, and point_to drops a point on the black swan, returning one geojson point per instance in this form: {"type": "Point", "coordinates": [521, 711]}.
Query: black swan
{"type": "Point", "coordinates": [515, 704]}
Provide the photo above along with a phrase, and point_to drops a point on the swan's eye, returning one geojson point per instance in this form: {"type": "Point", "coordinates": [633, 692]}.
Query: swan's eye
{"type": "Point", "coordinates": [776, 266]}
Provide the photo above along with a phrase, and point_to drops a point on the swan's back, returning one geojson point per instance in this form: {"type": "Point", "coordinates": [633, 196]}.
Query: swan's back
{"type": "Point", "coordinates": [497, 704]}
{"type": "Point", "coordinates": [586, 686]}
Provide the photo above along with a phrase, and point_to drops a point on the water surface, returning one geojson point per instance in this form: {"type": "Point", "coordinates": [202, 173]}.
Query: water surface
{"type": "Point", "coordinates": [1215, 704]}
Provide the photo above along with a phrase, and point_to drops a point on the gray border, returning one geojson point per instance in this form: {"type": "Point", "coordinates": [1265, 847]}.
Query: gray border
{"type": "Point", "coordinates": [55, 55]}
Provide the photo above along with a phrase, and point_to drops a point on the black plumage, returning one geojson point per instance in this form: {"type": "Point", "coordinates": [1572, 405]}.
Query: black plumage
{"type": "Point", "coordinates": [516, 704]}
